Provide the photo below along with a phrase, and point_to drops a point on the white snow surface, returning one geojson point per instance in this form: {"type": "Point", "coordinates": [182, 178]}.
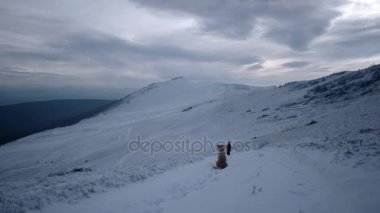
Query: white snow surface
{"type": "Point", "coordinates": [288, 163]}
{"type": "Point", "coordinates": [270, 180]}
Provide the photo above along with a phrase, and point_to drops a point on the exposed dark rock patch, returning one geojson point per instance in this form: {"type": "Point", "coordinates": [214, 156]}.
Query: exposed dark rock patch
{"type": "Point", "coordinates": [311, 123]}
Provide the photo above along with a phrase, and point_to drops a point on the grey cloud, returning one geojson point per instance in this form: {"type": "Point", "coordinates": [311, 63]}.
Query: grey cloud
{"type": "Point", "coordinates": [13, 72]}
{"type": "Point", "coordinates": [9, 77]}
{"type": "Point", "coordinates": [294, 23]}
{"type": "Point", "coordinates": [295, 64]}
{"type": "Point", "coordinates": [352, 39]}
{"type": "Point", "coordinates": [105, 47]}
{"type": "Point", "coordinates": [61, 38]}
{"type": "Point", "coordinates": [30, 25]}
{"type": "Point", "coordinates": [255, 66]}
{"type": "Point", "coordinates": [360, 25]}
{"type": "Point", "coordinates": [364, 45]}
{"type": "Point", "coordinates": [297, 33]}
{"type": "Point", "coordinates": [32, 55]}
{"type": "Point", "coordinates": [113, 52]}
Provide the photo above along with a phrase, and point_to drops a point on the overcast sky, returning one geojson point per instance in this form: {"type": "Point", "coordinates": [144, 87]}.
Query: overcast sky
{"type": "Point", "coordinates": [123, 43]}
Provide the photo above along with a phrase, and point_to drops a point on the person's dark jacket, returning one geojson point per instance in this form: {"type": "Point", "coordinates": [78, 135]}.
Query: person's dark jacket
{"type": "Point", "coordinates": [228, 148]}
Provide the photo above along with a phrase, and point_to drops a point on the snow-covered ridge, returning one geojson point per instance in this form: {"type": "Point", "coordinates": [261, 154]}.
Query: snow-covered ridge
{"type": "Point", "coordinates": [342, 85]}
{"type": "Point", "coordinates": [71, 163]}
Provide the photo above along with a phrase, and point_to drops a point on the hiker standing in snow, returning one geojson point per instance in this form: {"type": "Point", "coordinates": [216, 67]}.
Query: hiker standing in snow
{"type": "Point", "coordinates": [228, 148]}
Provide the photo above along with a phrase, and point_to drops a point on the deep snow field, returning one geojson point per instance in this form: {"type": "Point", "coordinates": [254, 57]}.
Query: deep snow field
{"type": "Point", "coordinates": [311, 146]}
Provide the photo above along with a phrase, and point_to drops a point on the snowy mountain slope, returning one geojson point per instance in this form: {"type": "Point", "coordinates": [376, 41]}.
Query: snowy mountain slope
{"type": "Point", "coordinates": [71, 163]}
{"type": "Point", "coordinates": [271, 180]}
{"type": "Point", "coordinates": [39, 168]}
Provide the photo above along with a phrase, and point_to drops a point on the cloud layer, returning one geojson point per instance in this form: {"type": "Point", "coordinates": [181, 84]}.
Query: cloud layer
{"type": "Point", "coordinates": [293, 23]}
{"type": "Point", "coordinates": [131, 43]}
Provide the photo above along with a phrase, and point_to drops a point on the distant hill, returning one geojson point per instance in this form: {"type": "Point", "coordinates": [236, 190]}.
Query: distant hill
{"type": "Point", "coordinates": [17, 95]}
{"type": "Point", "coordinates": [20, 120]}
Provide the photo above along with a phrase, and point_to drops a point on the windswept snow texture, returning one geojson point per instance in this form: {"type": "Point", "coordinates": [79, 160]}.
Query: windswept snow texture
{"type": "Point", "coordinates": [312, 147]}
